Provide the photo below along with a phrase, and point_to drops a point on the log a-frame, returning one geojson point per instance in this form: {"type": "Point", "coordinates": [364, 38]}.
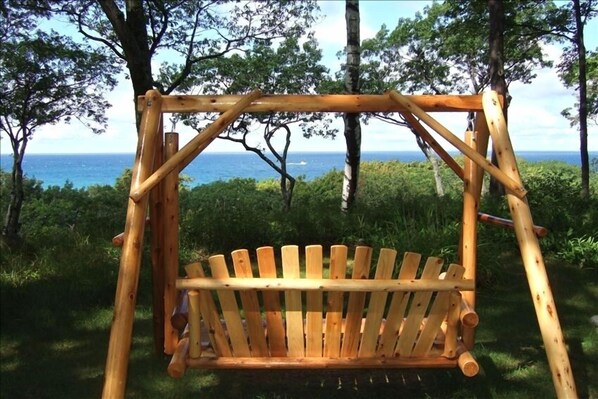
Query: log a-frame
{"type": "Point", "coordinates": [428, 321]}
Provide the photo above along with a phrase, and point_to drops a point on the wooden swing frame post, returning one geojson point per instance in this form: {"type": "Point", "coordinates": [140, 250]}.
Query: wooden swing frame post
{"type": "Point", "coordinates": [119, 346]}
{"type": "Point", "coordinates": [157, 225]}
{"type": "Point", "coordinates": [489, 122]}
{"type": "Point", "coordinates": [170, 243]}
{"type": "Point", "coordinates": [533, 262]}
{"type": "Point", "coordinates": [473, 177]}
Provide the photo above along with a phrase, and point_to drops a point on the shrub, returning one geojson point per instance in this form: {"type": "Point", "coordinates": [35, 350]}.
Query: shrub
{"type": "Point", "coordinates": [581, 251]}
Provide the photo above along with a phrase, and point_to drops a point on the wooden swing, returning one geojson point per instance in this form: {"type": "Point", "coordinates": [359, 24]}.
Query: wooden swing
{"type": "Point", "coordinates": [292, 312]}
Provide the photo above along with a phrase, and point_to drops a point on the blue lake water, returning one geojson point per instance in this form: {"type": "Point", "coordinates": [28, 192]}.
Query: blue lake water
{"type": "Point", "coordinates": [84, 170]}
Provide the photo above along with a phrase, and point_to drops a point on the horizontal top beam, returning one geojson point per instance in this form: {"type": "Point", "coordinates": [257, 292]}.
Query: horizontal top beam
{"type": "Point", "coordinates": [317, 103]}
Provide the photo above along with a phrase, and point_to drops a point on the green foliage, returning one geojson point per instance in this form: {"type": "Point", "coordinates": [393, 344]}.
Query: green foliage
{"type": "Point", "coordinates": [224, 215]}
{"type": "Point", "coordinates": [48, 78]}
{"type": "Point", "coordinates": [569, 74]}
{"type": "Point", "coordinates": [446, 48]}
{"type": "Point", "coordinates": [185, 33]}
{"type": "Point", "coordinates": [581, 251]}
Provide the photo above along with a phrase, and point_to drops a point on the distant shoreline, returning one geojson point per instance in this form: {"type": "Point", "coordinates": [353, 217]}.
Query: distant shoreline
{"type": "Point", "coordinates": [85, 170]}
{"type": "Point", "coordinates": [595, 153]}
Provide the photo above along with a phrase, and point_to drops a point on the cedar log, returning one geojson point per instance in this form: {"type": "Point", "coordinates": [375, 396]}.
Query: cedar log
{"type": "Point", "coordinates": [119, 346]}
{"type": "Point", "coordinates": [343, 285]}
{"type": "Point", "coordinates": [533, 262]}
{"type": "Point", "coordinates": [319, 103]}
{"type": "Point", "coordinates": [508, 224]}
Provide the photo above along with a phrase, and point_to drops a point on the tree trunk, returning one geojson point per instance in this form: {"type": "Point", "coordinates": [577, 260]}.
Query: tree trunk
{"type": "Point", "coordinates": [12, 224]}
{"type": "Point", "coordinates": [435, 167]}
{"type": "Point", "coordinates": [351, 120]}
{"type": "Point", "coordinates": [496, 70]}
{"type": "Point", "coordinates": [132, 34]}
{"type": "Point", "coordinates": [583, 106]}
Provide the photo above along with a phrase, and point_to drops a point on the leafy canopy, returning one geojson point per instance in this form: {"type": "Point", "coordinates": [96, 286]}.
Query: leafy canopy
{"type": "Point", "coordinates": [47, 78]}
{"type": "Point", "coordinates": [446, 49]}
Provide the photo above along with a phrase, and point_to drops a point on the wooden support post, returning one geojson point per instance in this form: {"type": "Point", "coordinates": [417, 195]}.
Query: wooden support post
{"type": "Point", "coordinates": [208, 134]}
{"type": "Point", "coordinates": [469, 229]}
{"type": "Point", "coordinates": [516, 188]}
{"type": "Point", "coordinates": [171, 243]}
{"type": "Point", "coordinates": [119, 346]}
{"type": "Point", "coordinates": [550, 328]}
{"type": "Point", "coordinates": [156, 222]}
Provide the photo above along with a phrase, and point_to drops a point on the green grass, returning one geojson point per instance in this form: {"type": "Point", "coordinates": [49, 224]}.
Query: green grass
{"type": "Point", "coordinates": [52, 346]}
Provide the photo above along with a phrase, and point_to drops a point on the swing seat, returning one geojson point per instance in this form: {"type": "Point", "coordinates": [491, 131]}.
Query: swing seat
{"type": "Point", "coordinates": [315, 314]}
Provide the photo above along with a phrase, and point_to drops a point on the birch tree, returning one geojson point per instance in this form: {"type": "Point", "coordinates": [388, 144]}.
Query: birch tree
{"type": "Point", "coordinates": [352, 129]}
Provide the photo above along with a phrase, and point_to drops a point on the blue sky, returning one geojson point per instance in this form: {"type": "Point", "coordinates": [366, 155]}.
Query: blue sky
{"type": "Point", "coordinates": [535, 122]}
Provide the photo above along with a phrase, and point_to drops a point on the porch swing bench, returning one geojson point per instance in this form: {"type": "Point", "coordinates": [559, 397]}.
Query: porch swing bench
{"type": "Point", "coordinates": [407, 316]}
{"type": "Point", "coordinates": [314, 308]}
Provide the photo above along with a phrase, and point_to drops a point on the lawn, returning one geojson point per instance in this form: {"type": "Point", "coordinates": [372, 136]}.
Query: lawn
{"type": "Point", "coordinates": [52, 347]}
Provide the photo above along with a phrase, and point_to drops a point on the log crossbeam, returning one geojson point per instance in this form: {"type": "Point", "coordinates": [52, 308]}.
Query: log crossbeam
{"type": "Point", "coordinates": [345, 285]}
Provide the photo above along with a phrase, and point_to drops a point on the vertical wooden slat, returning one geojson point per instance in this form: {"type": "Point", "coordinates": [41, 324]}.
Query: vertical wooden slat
{"type": "Point", "coordinates": [438, 313]}
{"type": "Point", "coordinates": [251, 306]}
{"type": "Point", "coordinates": [398, 304]}
{"type": "Point", "coordinates": [119, 346]}
{"type": "Point", "coordinates": [353, 319]}
{"type": "Point", "coordinates": [274, 324]}
{"type": "Point", "coordinates": [171, 241]}
{"type": "Point", "coordinates": [371, 330]}
{"type": "Point", "coordinates": [194, 325]}
{"type": "Point", "coordinates": [334, 309]}
{"type": "Point", "coordinates": [313, 316]}
{"type": "Point", "coordinates": [294, 311]}
{"type": "Point", "coordinates": [210, 314]}
{"type": "Point", "coordinates": [230, 309]}
{"type": "Point", "coordinates": [533, 262]}
{"type": "Point", "coordinates": [417, 309]}
{"type": "Point", "coordinates": [452, 326]}
{"type": "Point", "coordinates": [163, 340]}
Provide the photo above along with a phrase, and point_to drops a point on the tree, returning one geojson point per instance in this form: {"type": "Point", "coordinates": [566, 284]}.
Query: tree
{"type": "Point", "coordinates": [446, 49]}
{"type": "Point", "coordinates": [351, 120]}
{"type": "Point", "coordinates": [574, 71]}
{"type": "Point", "coordinates": [496, 70]}
{"type": "Point", "coordinates": [141, 32]}
{"type": "Point", "coordinates": [47, 79]}
{"type": "Point", "coordinates": [285, 68]}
